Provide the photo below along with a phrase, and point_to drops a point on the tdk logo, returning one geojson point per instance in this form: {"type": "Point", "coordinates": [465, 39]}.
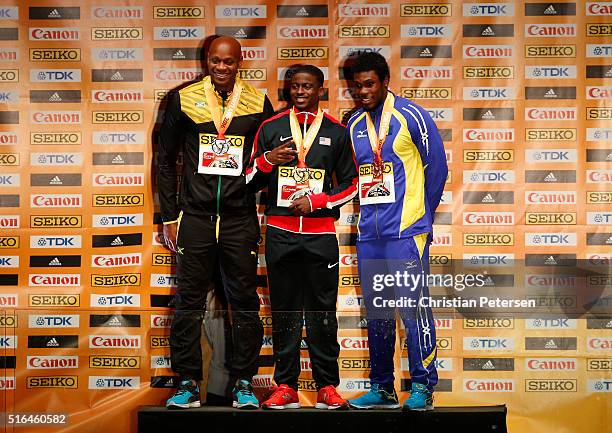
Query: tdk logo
{"type": "Point", "coordinates": [9, 261]}
{"type": "Point", "coordinates": [479, 343]}
{"type": "Point", "coordinates": [117, 220]}
{"type": "Point", "coordinates": [597, 50]}
{"type": "Point", "coordinates": [58, 321]}
{"type": "Point", "coordinates": [441, 113]}
{"type": "Point", "coordinates": [118, 54]}
{"type": "Point", "coordinates": [175, 33]}
{"type": "Point", "coordinates": [112, 300]}
{"type": "Point", "coordinates": [9, 13]}
{"type": "Point", "coordinates": [55, 241]}
{"type": "Point", "coordinates": [550, 72]}
{"type": "Point", "coordinates": [108, 382]}
{"type": "Point", "coordinates": [488, 9]}
{"type": "Point", "coordinates": [9, 180]}
{"type": "Point", "coordinates": [240, 12]}
{"type": "Point", "coordinates": [493, 176]}
{"type": "Point", "coordinates": [545, 239]}
{"type": "Point", "coordinates": [57, 75]}
{"type": "Point", "coordinates": [488, 260]}
{"type": "Point", "coordinates": [424, 31]}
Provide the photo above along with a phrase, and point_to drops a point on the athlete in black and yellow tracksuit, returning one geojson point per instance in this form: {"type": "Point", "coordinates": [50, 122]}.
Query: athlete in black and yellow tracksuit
{"type": "Point", "coordinates": [216, 215]}
{"type": "Point", "coordinates": [302, 251]}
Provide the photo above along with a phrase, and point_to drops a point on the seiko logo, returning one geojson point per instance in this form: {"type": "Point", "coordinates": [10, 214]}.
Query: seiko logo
{"type": "Point", "coordinates": [488, 51]}
{"type": "Point", "coordinates": [55, 75]}
{"type": "Point", "coordinates": [603, 197]}
{"type": "Point", "coordinates": [426, 10]}
{"type": "Point", "coordinates": [70, 382]}
{"type": "Point", "coordinates": [505, 155]}
{"type": "Point", "coordinates": [9, 75]}
{"type": "Point", "coordinates": [55, 55]}
{"type": "Point", "coordinates": [548, 218]}
{"type": "Point", "coordinates": [444, 93]}
{"type": "Point", "coordinates": [53, 300]}
{"type": "Point", "coordinates": [39, 221]}
{"type": "Point", "coordinates": [535, 51]}
{"type": "Point", "coordinates": [363, 31]}
{"type": "Point", "coordinates": [302, 32]}
{"type": "Point", "coordinates": [122, 362]}
{"type": "Point", "coordinates": [595, 113]}
{"type": "Point", "coordinates": [487, 323]}
{"type": "Point", "coordinates": [9, 242]}
{"type": "Point", "coordinates": [170, 12]}
{"type": "Point", "coordinates": [500, 72]}
{"type": "Point", "coordinates": [117, 116]}
{"type": "Point", "coordinates": [302, 53]}
{"type": "Point", "coordinates": [240, 11]}
{"type": "Point", "coordinates": [599, 364]}
{"type": "Point", "coordinates": [121, 200]}
{"type": "Point", "coordinates": [117, 12]}
{"type": "Point", "coordinates": [549, 134]}
{"type": "Point", "coordinates": [116, 33]}
{"type": "Point", "coordinates": [595, 29]}
{"type": "Point", "coordinates": [117, 96]}
{"type": "Point", "coordinates": [55, 34]}
{"type": "Point", "coordinates": [550, 385]}
{"type": "Point", "coordinates": [550, 30]}
{"type": "Point", "coordinates": [118, 179]}
{"type": "Point", "coordinates": [427, 72]}
{"type": "Point", "coordinates": [485, 239]}
{"type": "Point", "coordinates": [178, 33]}
{"type": "Point", "coordinates": [9, 159]}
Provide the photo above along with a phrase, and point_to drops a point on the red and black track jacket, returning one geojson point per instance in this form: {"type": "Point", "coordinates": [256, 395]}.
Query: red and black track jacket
{"type": "Point", "coordinates": [335, 158]}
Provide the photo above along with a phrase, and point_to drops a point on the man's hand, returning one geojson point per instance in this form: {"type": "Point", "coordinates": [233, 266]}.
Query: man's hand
{"type": "Point", "coordinates": [170, 236]}
{"type": "Point", "coordinates": [282, 154]}
{"type": "Point", "coordinates": [300, 206]}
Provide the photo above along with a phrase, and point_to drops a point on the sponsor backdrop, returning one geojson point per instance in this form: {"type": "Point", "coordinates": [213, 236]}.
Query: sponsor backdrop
{"type": "Point", "coordinates": [521, 92]}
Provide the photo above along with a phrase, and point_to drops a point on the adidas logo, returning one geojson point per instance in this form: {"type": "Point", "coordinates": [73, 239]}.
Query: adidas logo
{"type": "Point", "coordinates": [52, 343]}
{"type": "Point", "coordinates": [608, 73]}
{"type": "Point", "coordinates": [426, 53]}
{"type": "Point", "coordinates": [489, 282]}
{"type": "Point", "coordinates": [550, 177]}
{"type": "Point", "coordinates": [302, 13]}
{"type": "Point", "coordinates": [488, 32]}
{"type": "Point", "coordinates": [488, 199]}
{"type": "Point", "coordinates": [609, 324]}
{"type": "Point", "coordinates": [56, 181]}
{"type": "Point", "coordinates": [550, 94]}
{"type": "Point", "coordinates": [55, 98]}
{"type": "Point", "coordinates": [117, 160]}
{"type": "Point", "coordinates": [609, 157]}
{"type": "Point", "coordinates": [55, 262]}
{"type": "Point", "coordinates": [488, 365]}
{"type": "Point", "coordinates": [240, 33]}
{"type": "Point", "coordinates": [178, 55]}
{"type": "Point", "coordinates": [488, 115]}
{"type": "Point", "coordinates": [117, 242]}
{"type": "Point", "coordinates": [114, 321]}
{"type": "Point", "coordinates": [550, 10]}
{"type": "Point", "coordinates": [550, 344]}
{"type": "Point", "coordinates": [363, 323]}
{"type": "Point", "coordinates": [117, 76]}
{"type": "Point", "coordinates": [550, 261]}
{"type": "Point", "coordinates": [54, 14]}
{"type": "Point", "coordinates": [609, 241]}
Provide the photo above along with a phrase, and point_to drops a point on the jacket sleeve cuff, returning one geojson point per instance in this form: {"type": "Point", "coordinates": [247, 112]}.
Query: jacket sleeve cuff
{"type": "Point", "coordinates": [319, 201]}
{"type": "Point", "coordinates": [263, 164]}
{"type": "Point", "coordinates": [170, 222]}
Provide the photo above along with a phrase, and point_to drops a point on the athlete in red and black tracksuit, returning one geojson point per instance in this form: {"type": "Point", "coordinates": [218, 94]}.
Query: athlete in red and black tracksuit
{"type": "Point", "coordinates": [301, 244]}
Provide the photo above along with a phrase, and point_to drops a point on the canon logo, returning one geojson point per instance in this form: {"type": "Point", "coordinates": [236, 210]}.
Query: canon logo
{"type": "Point", "coordinates": [49, 362]}
{"type": "Point", "coordinates": [550, 197]}
{"type": "Point", "coordinates": [427, 72]}
{"type": "Point", "coordinates": [599, 343]}
{"type": "Point", "coordinates": [159, 321]}
{"type": "Point", "coordinates": [254, 53]}
{"type": "Point", "coordinates": [551, 364]}
{"type": "Point", "coordinates": [364, 10]}
{"type": "Point", "coordinates": [118, 179]}
{"type": "Point", "coordinates": [73, 280]}
{"type": "Point", "coordinates": [113, 96]}
{"type": "Point", "coordinates": [178, 74]}
{"type": "Point", "coordinates": [604, 8]}
{"type": "Point", "coordinates": [498, 135]}
{"type": "Point", "coordinates": [302, 32]}
{"type": "Point", "coordinates": [50, 117]}
{"type": "Point", "coordinates": [9, 222]}
{"type": "Point", "coordinates": [54, 34]}
{"type": "Point", "coordinates": [491, 385]}
{"type": "Point", "coordinates": [488, 51]}
{"type": "Point", "coordinates": [550, 30]}
{"type": "Point", "coordinates": [55, 200]}
{"type": "Point", "coordinates": [550, 113]}
{"type": "Point", "coordinates": [599, 92]}
{"type": "Point", "coordinates": [119, 12]}
{"type": "Point", "coordinates": [124, 342]}
{"type": "Point", "coordinates": [354, 343]}
{"type": "Point", "coordinates": [443, 239]}
{"type": "Point", "coordinates": [116, 260]}
{"type": "Point", "coordinates": [599, 176]}
{"type": "Point", "coordinates": [488, 218]}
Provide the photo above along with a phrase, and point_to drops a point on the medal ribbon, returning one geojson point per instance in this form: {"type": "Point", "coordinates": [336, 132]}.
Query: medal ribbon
{"type": "Point", "coordinates": [304, 143]}
{"type": "Point", "coordinates": [377, 140]}
{"type": "Point", "coordinates": [222, 120]}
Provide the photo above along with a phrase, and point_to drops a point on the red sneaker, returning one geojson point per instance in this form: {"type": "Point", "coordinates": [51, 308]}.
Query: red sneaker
{"type": "Point", "coordinates": [328, 398]}
{"type": "Point", "coordinates": [284, 397]}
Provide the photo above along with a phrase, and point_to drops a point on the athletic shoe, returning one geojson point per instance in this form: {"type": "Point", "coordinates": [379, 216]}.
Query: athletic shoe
{"type": "Point", "coordinates": [420, 398]}
{"type": "Point", "coordinates": [328, 398]}
{"type": "Point", "coordinates": [283, 397]}
{"type": "Point", "coordinates": [376, 398]}
{"type": "Point", "coordinates": [187, 395]}
{"type": "Point", "coordinates": [243, 395]}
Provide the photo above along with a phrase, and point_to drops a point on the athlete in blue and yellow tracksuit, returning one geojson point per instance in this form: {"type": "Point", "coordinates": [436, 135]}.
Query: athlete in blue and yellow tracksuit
{"type": "Point", "coordinates": [395, 228]}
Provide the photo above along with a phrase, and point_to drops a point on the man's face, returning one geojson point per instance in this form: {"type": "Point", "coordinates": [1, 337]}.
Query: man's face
{"type": "Point", "coordinates": [369, 89]}
{"type": "Point", "coordinates": [305, 91]}
{"type": "Point", "coordinates": [223, 62]}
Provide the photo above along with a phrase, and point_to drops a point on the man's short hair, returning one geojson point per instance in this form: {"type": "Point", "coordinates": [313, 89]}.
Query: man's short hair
{"type": "Point", "coordinates": [309, 69]}
{"type": "Point", "coordinates": [371, 61]}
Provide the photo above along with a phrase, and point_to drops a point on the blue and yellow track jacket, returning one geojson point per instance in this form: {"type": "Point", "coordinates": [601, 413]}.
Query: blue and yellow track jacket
{"type": "Point", "coordinates": [414, 147]}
